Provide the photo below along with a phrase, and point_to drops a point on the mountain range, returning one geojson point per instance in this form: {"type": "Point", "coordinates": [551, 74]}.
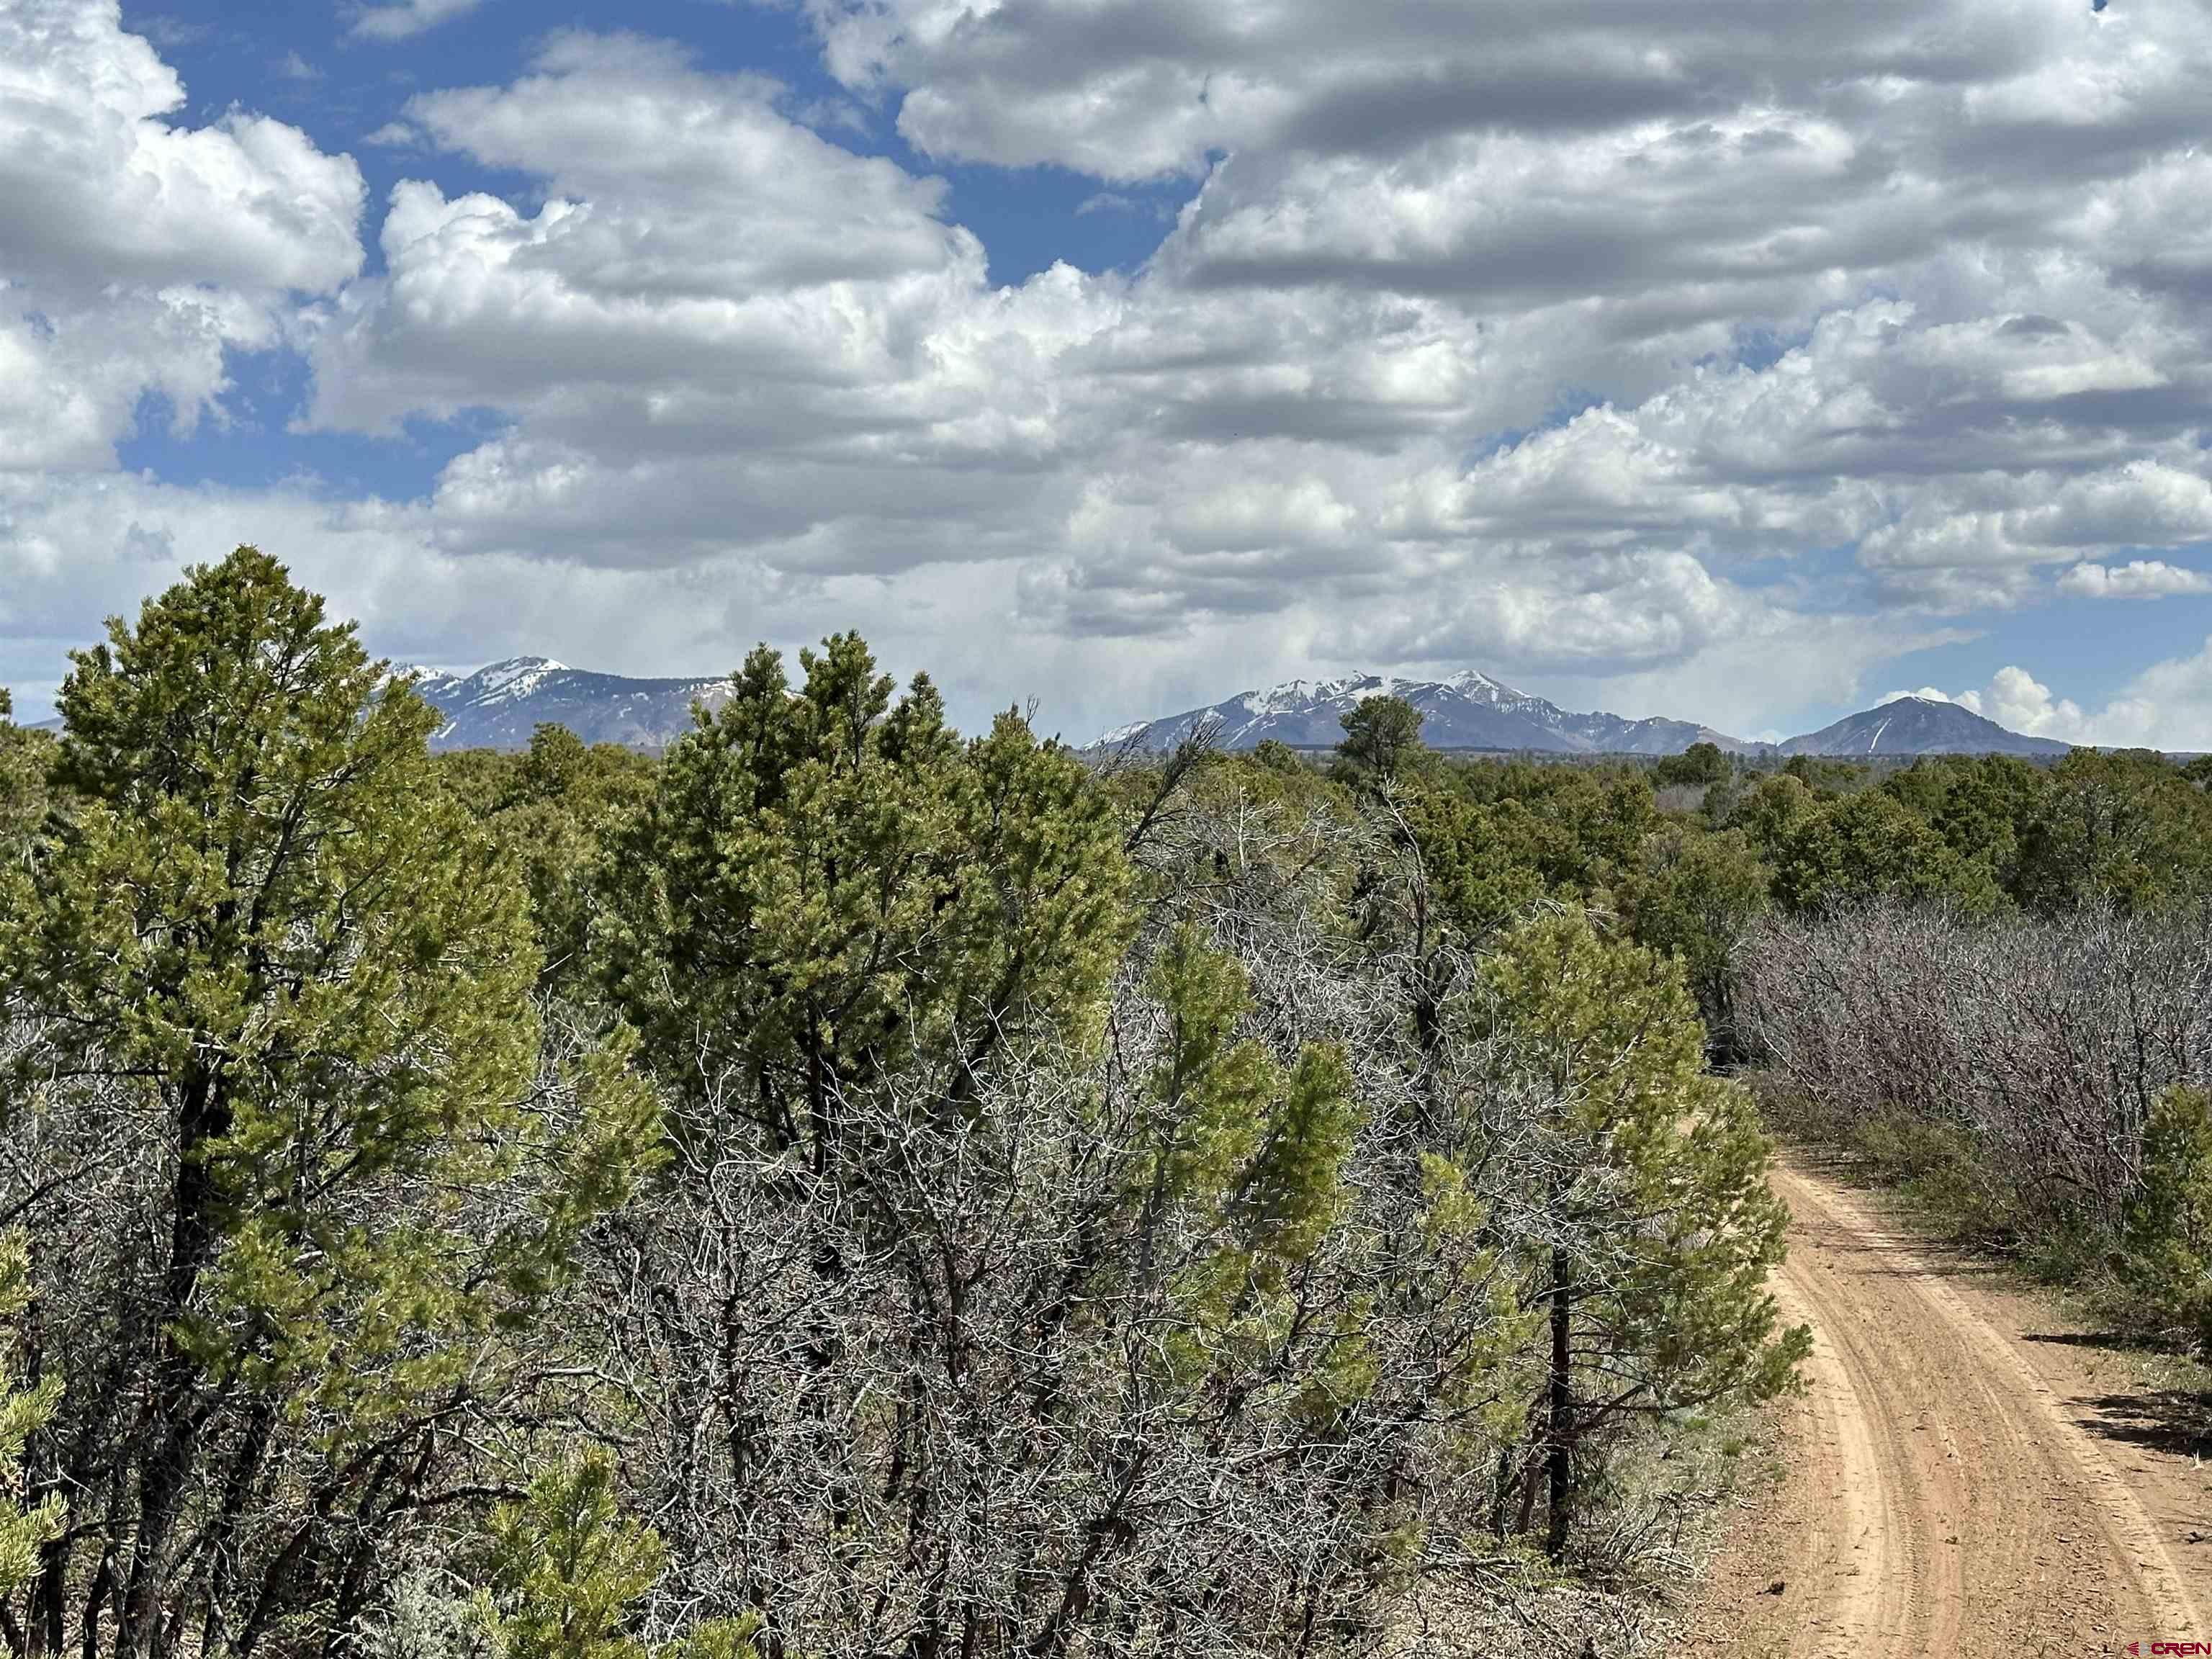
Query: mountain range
{"type": "Point", "coordinates": [498, 707]}
{"type": "Point", "coordinates": [1470, 710]}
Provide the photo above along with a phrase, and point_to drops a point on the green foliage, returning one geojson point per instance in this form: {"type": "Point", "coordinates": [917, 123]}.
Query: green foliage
{"type": "Point", "coordinates": [1823, 776]}
{"type": "Point", "coordinates": [1769, 812]}
{"type": "Point", "coordinates": [1296, 1188]}
{"type": "Point", "coordinates": [2166, 1261]}
{"type": "Point", "coordinates": [1578, 827]}
{"type": "Point", "coordinates": [1056, 1243]}
{"type": "Point", "coordinates": [1482, 862]}
{"type": "Point", "coordinates": [23, 1413]}
{"type": "Point", "coordinates": [1937, 1168]}
{"type": "Point", "coordinates": [1980, 805]}
{"type": "Point", "coordinates": [1382, 740]}
{"type": "Point", "coordinates": [1982, 832]}
{"type": "Point", "coordinates": [1237, 1132]}
{"type": "Point", "coordinates": [1696, 896]}
{"type": "Point", "coordinates": [1700, 763]}
{"type": "Point", "coordinates": [262, 941]}
{"type": "Point", "coordinates": [555, 809]}
{"type": "Point", "coordinates": [569, 1569]}
{"type": "Point", "coordinates": [479, 779]}
{"type": "Point", "coordinates": [1664, 1225]}
{"type": "Point", "coordinates": [257, 903]}
{"type": "Point", "coordinates": [2127, 827]}
{"type": "Point", "coordinates": [1210, 1089]}
{"type": "Point", "coordinates": [1250, 1156]}
{"type": "Point", "coordinates": [1856, 848]}
{"type": "Point", "coordinates": [25, 757]}
{"type": "Point", "coordinates": [1492, 839]}
{"type": "Point", "coordinates": [567, 1566]}
{"type": "Point", "coordinates": [826, 886]}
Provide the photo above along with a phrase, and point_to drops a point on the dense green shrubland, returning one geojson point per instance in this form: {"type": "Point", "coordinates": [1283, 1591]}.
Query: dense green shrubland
{"type": "Point", "coordinates": [843, 1188]}
{"type": "Point", "coordinates": [846, 1187]}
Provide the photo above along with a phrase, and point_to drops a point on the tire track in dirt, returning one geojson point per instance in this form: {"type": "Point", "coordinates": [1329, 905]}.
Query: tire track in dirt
{"type": "Point", "coordinates": [1942, 1498]}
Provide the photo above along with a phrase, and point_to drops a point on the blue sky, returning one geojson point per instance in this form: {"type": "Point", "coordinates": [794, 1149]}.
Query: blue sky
{"type": "Point", "coordinates": [1737, 363]}
{"type": "Point", "coordinates": [304, 64]}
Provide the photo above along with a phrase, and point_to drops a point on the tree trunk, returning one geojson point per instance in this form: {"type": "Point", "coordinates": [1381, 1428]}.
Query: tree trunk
{"type": "Point", "coordinates": [1559, 1428]}
{"type": "Point", "coordinates": [172, 1423]}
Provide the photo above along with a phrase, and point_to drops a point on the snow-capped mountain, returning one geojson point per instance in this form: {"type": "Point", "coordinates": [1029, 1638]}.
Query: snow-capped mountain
{"type": "Point", "coordinates": [1918, 726]}
{"type": "Point", "coordinates": [499, 706]}
{"type": "Point", "coordinates": [1470, 710]}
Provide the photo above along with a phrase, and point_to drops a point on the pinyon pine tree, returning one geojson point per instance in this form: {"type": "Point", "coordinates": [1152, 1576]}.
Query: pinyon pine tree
{"type": "Point", "coordinates": [1658, 1223]}
{"type": "Point", "coordinates": [1037, 1274]}
{"type": "Point", "coordinates": [568, 1569]}
{"type": "Point", "coordinates": [296, 1173]}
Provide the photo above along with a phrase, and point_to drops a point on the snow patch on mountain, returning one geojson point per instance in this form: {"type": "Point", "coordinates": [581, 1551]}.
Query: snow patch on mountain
{"type": "Point", "coordinates": [501, 704]}
{"type": "Point", "coordinates": [1467, 710]}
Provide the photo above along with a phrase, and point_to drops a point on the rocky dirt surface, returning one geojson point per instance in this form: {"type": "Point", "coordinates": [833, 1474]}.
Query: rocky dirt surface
{"type": "Point", "coordinates": [1967, 1477]}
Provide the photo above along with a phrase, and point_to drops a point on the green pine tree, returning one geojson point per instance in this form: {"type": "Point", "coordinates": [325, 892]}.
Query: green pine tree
{"type": "Point", "coordinates": [568, 1566]}
{"type": "Point", "coordinates": [828, 886]}
{"type": "Point", "coordinates": [2128, 828]}
{"type": "Point", "coordinates": [1663, 1228]}
{"type": "Point", "coordinates": [1695, 894]}
{"type": "Point", "coordinates": [262, 941]}
{"type": "Point", "coordinates": [1382, 741]}
{"type": "Point", "coordinates": [1867, 846]}
{"type": "Point", "coordinates": [569, 1569]}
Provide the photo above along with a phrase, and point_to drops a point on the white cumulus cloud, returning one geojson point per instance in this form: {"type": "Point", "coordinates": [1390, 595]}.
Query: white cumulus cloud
{"type": "Point", "coordinates": [408, 18]}
{"type": "Point", "coordinates": [2167, 706]}
{"type": "Point", "coordinates": [1688, 360]}
{"type": "Point", "coordinates": [138, 249]}
{"type": "Point", "coordinates": [2138, 578]}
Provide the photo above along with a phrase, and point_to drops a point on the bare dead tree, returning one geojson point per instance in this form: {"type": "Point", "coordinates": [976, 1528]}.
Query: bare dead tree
{"type": "Point", "coordinates": [2043, 1041]}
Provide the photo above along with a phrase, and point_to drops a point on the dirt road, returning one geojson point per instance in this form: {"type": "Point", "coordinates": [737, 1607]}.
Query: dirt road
{"type": "Point", "coordinates": [1964, 1480]}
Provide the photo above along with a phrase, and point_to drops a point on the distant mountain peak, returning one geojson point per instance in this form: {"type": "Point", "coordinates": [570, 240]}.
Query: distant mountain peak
{"type": "Point", "coordinates": [1468, 710]}
{"type": "Point", "coordinates": [500, 705]}
{"type": "Point", "coordinates": [1918, 726]}
{"type": "Point", "coordinates": [1474, 680]}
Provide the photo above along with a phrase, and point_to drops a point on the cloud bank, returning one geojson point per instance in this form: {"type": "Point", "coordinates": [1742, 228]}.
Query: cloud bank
{"type": "Point", "coordinates": [1706, 357]}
